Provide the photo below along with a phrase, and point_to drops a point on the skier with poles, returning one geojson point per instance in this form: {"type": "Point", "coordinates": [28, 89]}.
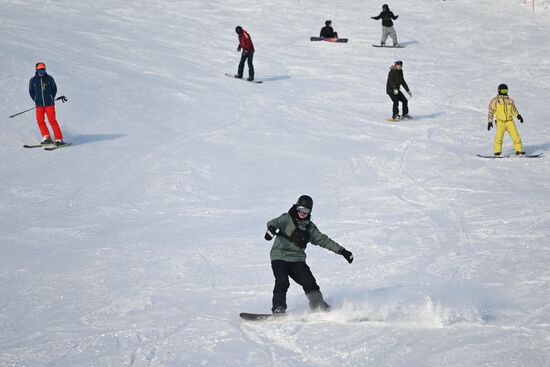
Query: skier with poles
{"type": "Point", "coordinates": [393, 85]}
{"type": "Point", "coordinates": [42, 89]}
{"type": "Point", "coordinates": [503, 109]}
{"type": "Point", "coordinates": [245, 44]}
{"type": "Point", "coordinates": [293, 231]}
{"type": "Point", "coordinates": [387, 25]}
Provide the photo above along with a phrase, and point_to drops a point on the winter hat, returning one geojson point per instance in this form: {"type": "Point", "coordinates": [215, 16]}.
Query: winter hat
{"type": "Point", "coordinates": [503, 89]}
{"type": "Point", "coordinates": [385, 7]}
{"type": "Point", "coordinates": [239, 29]}
{"type": "Point", "coordinates": [399, 62]}
{"type": "Point", "coordinates": [305, 202]}
{"type": "Point", "coordinates": [328, 22]}
{"type": "Point", "coordinates": [40, 65]}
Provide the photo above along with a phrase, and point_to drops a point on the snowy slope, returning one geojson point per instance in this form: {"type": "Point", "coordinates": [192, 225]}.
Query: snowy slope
{"type": "Point", "coordinates": [140, 244]}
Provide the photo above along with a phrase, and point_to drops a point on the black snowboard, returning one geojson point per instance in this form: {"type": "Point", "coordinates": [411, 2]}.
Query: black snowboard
{"type": "Point", "coordinates": [399, 46]}
{"type": "Point", "coordinates": [510, 156]}
{"type": "Point", "coordinates": [236, 77]}
{"type": "Point", "coordinates": [260, 316]}
{"type": "Point", "coordinates": [337, 40]}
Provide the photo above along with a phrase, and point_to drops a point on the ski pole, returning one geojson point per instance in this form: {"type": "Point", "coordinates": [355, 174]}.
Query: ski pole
{"type": "Point", "coordinates": [61, 98]}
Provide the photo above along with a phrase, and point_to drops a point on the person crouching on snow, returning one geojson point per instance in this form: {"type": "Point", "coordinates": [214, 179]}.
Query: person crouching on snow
{"type": "Point", "coordinates": [293, 231]}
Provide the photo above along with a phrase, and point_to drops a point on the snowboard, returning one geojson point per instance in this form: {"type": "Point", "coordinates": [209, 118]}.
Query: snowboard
{"type": "Point", "coordinates": [335, 40]}
{"type": "Point", "coordinates": [399, 119]}
{"type": "Point", "coordinates": [398, 46]}
{"type": "Point", "coordinates": [510, 156]}
{"type": "Point", "coordinates": [260, 316]}
{"type": "Point", "coordinates": [234, 77]}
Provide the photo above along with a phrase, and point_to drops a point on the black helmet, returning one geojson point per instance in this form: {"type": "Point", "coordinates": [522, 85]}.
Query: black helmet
{"type": "Point", "coordinates": [385, 7]}
{"type": "Point", "coordinates": [305, 201]}
{"type": "Point", "coordinates": [328, 22]}
{"type": "Point", "coordinates": [503, 89]}
{"type": "Point", "coordinates": [239, 29]}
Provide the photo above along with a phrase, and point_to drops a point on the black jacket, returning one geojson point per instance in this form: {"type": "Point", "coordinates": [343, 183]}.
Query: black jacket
{"type": "Point", "coordinates": [327, 32]}
{"type": "Point", "coordinates": [395, 80]}
{"type": "Point", "coordinates": [386, 16]}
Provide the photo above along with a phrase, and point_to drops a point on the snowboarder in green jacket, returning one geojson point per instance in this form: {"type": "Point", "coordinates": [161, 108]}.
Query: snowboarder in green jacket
{"type": "Point", "coordinates": [293, 231]}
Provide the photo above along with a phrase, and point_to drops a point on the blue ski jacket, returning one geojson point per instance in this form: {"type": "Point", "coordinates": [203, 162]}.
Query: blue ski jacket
{"type": "Point", "coordinates": [43, 90]}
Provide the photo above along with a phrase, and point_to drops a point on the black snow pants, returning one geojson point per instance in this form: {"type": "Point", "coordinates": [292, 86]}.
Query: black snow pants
{"type": "Point", "coordinates": [301, 274]}
{"type": "Point", "coordinates": [396, 98]}
{"type": "Point", "coordinates": [246, 56]}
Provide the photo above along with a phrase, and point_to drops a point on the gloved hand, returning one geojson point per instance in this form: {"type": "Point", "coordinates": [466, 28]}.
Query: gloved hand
{"type": "Point", "coordinates": [520, 119]}
{"type": "Point", "coordinates": [239, 48]}
{"type": "Point", "coordinates": [397, 16]}
{"type": "Point", "coordinates": [347, 255]}
{"type": "Point", "coordinates": [409, 93]}
{"type": "Point", "coordinates": [396, 91]}
{"type": "Point", "coordinates": [373, 18]}
{"type": "Point", "coordinates": [489, 125]}
{"type": "Point", "coordinates": [270, 233]}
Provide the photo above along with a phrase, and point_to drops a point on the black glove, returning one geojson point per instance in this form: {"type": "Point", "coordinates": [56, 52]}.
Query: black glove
{"type": "Point", "coordinates": [62, 99]}
{"type": "Point", "coordinates": [238, 48]}
{"type": "Point", "coordinates": [347, 255]}
{"type": "Point", "coordinates": [489, 125]}
{"type": "Point", "coordinates": [270, 233]}
{"type": "Point", "coordinates": [373, 18]}
{"type": "Point", "coordinates": [520, 119]}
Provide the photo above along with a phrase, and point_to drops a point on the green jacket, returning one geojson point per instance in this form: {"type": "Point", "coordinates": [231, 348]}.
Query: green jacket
{"type": "Point", "coordinates": [284, 249]}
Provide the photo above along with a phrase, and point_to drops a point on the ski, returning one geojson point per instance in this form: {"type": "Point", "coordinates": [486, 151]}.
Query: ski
{"type": "Point", "coordinates": [236, 77]}
{"type": "Point", "coordinates": [398, 46]}
{"type": "Point", "coordinates": [260, 316]}
{"type": "Point", "coordinates": [54, 147]}
{"type": "Point", "coordinates": [334, 40]}
{"type": "Point", "coordinates": [36, 145]}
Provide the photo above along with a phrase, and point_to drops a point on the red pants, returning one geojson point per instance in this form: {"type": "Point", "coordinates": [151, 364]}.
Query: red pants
{"type": "Point", "coordinates": [50, 112]}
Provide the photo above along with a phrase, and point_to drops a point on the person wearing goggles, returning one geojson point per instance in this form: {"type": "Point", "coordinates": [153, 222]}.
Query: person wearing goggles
{"type": "Point", "coordinates": [503, 109]}
{"type": "Point", "coordinates": [292, 232]}
{"type": "Point", "coordinates": [42, 89]}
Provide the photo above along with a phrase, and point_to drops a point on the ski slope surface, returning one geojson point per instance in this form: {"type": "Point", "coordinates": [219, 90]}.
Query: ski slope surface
{"type": "Point", "coordinates": [141, 243]}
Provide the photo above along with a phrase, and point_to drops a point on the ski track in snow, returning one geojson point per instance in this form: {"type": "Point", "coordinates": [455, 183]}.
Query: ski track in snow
{"type": "Point", "coordinates": [141, 243]}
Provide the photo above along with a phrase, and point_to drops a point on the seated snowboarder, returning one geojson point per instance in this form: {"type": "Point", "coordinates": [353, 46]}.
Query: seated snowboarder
{"type": "Point", "coordinates": [293, 231]}
{"type": "Point", "coordinates": [387, 25]}
{"type": "Point", "coordinates": [327, 31]}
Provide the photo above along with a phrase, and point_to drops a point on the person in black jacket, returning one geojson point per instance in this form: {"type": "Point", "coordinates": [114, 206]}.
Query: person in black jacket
{"type": "Point", "coordinates": [395, 81]}
{"type": "Point", "coordinates": [42, 89]}
{"type": "Point", "coordinates": [387, 25]}
{"type": "Point", "coordinates": [327, 31]}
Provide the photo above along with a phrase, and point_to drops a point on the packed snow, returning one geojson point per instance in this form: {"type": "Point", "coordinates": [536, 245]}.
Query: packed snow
{"type": "Point", "coordinates": [141, 243]}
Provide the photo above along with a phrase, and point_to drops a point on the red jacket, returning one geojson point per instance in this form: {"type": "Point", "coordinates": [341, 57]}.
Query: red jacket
{"type": "Point", "coordinates": [246, 42]}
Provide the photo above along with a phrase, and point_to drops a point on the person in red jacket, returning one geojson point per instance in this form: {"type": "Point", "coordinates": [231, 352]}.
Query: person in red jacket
{"type": "Point", "coordinates": [245, 44]}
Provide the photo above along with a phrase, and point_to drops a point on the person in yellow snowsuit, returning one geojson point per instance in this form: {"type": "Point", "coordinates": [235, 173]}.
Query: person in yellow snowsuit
{"type": "Point", "coordinates": [503, 109]}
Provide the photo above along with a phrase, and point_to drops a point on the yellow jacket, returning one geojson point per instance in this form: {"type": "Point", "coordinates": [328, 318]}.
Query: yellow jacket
{"type": "Point", "coordinates": [502, 108]}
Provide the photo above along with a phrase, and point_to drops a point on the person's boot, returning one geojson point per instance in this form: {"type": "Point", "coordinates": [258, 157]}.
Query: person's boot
{"type": "Point", "coordinates": [316, 301]}
{"type": "Point", "coordinates": [497, 154]}
{"type": "Point", "coordinates": [47, 140]}
{"type": "Point", "coordinates": [520, 153]}
{"type": "Point", "coordinates": [279, 311]}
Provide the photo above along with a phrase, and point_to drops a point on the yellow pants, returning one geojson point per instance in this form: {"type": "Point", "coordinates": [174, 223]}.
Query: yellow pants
{"type": "Point", "coordinates": [502, 127]}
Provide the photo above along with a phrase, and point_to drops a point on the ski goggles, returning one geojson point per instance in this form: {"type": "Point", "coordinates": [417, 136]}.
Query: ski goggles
{"type": "Point", "coordinates": [503, 91]}
{"type": "Point", "coordinates": [303, 209]}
